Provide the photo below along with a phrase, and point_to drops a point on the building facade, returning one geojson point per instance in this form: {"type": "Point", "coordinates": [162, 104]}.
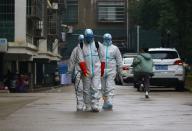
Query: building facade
{"type": "Point", "coordinates": [104, 16]}
{"type": "Point", "coordinates": [31, 48]}
{"type": "Point", "coordinates": [100, 15]}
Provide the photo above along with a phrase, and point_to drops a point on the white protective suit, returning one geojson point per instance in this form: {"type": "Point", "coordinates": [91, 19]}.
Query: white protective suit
{"type": "Point", "coordinates": [75, 69]}
{"type": "Point", "coordinates": [89, 60]}
{"type": "Point", "coordinates": [112, 59]}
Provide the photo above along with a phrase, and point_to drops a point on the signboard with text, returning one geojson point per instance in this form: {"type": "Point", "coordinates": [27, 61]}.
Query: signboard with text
{"type": "Point", "coordinates": [3, 45]}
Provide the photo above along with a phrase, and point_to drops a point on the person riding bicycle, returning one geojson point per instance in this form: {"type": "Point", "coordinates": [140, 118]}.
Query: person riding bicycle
{"type": "Point", "coordinates": [143, 69]}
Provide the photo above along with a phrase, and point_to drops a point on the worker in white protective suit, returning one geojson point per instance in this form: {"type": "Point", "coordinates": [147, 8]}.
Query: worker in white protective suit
{"type": "Point", "coordinates": [111, 60]}
{"type": "Point", "coordinates": [89, 61]}
{"type": "Point", "coordinates": [77, 76]}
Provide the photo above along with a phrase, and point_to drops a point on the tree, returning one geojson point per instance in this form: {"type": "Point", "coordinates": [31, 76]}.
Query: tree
{"type": "Point", "coordinates": [184, 30]}
{"type": "Point", "coordinates": [144, 13]}
{"type": "Point", "coordinates": [172, 18]}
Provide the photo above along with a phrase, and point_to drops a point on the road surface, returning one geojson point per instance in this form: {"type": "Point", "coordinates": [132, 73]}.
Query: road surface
{"type": "Point", "coordinates": [54, 110]}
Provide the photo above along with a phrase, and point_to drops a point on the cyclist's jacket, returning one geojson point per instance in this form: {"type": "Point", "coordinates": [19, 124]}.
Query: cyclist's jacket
{"type": "Point", "coordinates": [143, 63]}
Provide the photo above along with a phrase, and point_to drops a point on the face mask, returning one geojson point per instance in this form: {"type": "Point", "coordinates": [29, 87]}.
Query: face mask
{"type": "Point", "coordinates": [107, 42]}
{"type": "Point", "coordinates": [80, 41]}
{"type": "Point", "coordinates": [88, 39]}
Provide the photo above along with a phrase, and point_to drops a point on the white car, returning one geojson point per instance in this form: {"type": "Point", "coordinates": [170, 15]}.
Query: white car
{"type": "Point", "coordinates": [168, 68]}
{"type": "Point", "coordinates": [126, 75]}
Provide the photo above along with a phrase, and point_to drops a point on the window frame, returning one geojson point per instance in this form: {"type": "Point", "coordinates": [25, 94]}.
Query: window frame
{"type": "Point", "coordinates": [108, 17]}
{"type": "Point", "coordinates": [7, 20]}
{"type": "Point", "coordinates": [71, 5]}
{"type": "Point", "coordinates": [171, 54]}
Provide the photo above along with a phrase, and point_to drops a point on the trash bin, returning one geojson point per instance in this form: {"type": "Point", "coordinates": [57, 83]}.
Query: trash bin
{"type": "Point", "coordinates": [65, 77]}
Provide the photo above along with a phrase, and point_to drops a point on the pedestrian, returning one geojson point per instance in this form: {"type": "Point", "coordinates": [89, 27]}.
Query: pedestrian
{"type": "Point", "coordinates": [26, 82]}
{"type": "Point", "coordinates": [13, 83]}
{"type": "Point", "coordinates": [77, 76]}
{"type": "Point", "coordinates": [22, 83]}
{"type": "Point", "coordinates": [90, 64]}
{"type": "Point", "coordinates": [7, 81]}
{"type": "Point", "coordinates": [111, 61]}
{"type": "Point", "coordinates": [143, 70]}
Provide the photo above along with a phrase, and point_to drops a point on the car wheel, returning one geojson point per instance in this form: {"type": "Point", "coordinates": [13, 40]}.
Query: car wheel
{"type": "Point", "coordinates": [180, 86]}
{"type": "Point", "coordinates": [118, 80]}
{"type": "Point", "coordinates": [137, 86]}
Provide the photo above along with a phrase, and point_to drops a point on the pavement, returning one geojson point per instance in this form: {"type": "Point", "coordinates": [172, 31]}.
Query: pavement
{"type": "Point", "coordinates": [55, 110]}
{"type": "Point", "coordinates": [188, 82]}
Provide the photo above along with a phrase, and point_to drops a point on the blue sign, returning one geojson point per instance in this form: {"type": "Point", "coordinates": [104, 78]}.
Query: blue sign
{"type": "Point", "coordinates": [63, 68]}
{"type": "Point", "coordinates": [3, 45]}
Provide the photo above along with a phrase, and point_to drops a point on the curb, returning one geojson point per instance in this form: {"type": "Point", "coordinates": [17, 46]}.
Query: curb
{"type": "Point", "coordinates": [4, 91]}
{"type": "Point", "coordinates": [36, 90]}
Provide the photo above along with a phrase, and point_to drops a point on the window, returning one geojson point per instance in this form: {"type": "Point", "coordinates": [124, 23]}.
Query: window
{"type": "Point", "coordinates": [70, 15]}
{"type": "Point", "coordinates": [163, 54]}
{"type": "Point", "coordinates": [29, 7]}
{"type": "Point", "coordinates": [128, 60]}
{"type": "Point", "coordinates": [50, 40]}
{"type": "Point", "coordinates": [7, 15]}
{"type": "Point", "coordinates": [34, 8]}
{"type": "Point", "coordinates": [51, 30]}
{"type": "Point", "coordinates": [111, 11]}
{"type": "Point", "coordinates": [52, 24]}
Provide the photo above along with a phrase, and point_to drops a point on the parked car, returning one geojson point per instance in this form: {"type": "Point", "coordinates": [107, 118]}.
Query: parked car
{"type": "Point", "coordinates": [168, 68]}
{"type": "Point", "coordinates": [127, 75]}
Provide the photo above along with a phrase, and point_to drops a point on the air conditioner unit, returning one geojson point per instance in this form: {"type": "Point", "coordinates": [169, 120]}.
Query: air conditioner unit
{"type": "Point", "coordinates": [63, 36]}
{"type": "Point", "coordinates": [55, 6]}
{"type": "Point", "coordinates": [3, 45]}
{"type": "Point", "coordinates": [70, 29]}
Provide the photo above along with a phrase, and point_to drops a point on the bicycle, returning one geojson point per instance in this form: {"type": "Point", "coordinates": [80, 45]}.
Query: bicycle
{"type": "Point", "coordinates": [142, 84]}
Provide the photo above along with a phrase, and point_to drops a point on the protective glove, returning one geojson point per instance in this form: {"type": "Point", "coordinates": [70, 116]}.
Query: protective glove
{"type": "Point", "coordinates": [83, 68]}
{"type": "Point", "coordinates": [102, 68]}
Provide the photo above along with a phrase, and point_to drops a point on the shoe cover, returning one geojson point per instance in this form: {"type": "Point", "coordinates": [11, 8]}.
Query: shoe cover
{"type": "Point", "coordinates": [107, 106]}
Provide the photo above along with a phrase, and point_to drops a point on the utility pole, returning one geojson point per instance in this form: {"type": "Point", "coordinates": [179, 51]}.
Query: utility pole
{"type": "Point", "coordinates": [138, 30]}
{"type": "Point", "coordinates": [128, 46]}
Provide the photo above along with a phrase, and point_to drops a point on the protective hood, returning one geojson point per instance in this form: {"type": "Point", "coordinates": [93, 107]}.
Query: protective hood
{"type": "Point", "coordinates": [81, 38]}
{"type": "Point", "coordinates": [147, 56]}
{"type": "Point", "coordinates": [107, 39]}
{"type": "Point", "coordinates": [89, 36]}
